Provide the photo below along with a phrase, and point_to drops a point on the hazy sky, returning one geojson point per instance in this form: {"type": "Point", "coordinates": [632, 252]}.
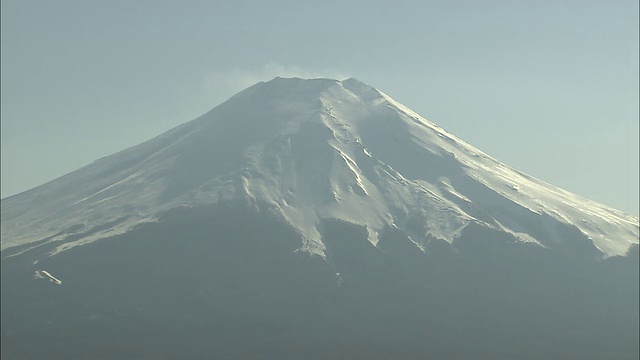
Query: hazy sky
{"type": "Point", "coordinates": [548, 87]}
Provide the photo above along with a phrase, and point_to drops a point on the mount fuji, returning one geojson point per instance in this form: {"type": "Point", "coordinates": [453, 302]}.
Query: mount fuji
{"type": "Point", "coordinates": [314, 219]}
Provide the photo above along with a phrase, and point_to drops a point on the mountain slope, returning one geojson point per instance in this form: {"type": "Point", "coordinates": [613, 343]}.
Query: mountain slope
{"type": "Point", "coordinates": [308, 150]}
{"type": "Point", "coordinates": [313, 219]}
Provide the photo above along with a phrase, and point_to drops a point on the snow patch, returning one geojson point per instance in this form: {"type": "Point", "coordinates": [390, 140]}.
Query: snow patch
{"type": "Point", "coordinates": [45, 274]}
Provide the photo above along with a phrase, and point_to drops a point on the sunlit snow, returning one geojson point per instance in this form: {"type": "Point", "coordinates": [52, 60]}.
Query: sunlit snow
{"type": "Point", "coordinates": [309, 150]}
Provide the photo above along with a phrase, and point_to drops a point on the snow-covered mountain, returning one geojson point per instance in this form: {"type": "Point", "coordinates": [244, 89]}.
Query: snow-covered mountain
{"type": "Point", "coordinates": [307, 150]}
{"type": "Point", "coordinates": [303, 204]}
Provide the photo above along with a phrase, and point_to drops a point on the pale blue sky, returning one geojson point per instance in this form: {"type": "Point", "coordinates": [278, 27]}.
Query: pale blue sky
{"type": "Point", "coordinates": [549, 87]}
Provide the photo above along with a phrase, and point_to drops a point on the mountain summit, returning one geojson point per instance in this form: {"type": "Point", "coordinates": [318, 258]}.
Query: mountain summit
{"type": "Point", "coordinates": [308, 150]}
{"type": "Point", "coordinates": [313, 219]}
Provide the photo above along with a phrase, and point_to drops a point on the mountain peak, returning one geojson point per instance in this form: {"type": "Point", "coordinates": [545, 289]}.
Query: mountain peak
{"type": "Point", "coordinates": [312, 87]}
{"type": "Point", "coordinates": [301, 213]}
{"type": "Point", "coordinates": [308, 150]}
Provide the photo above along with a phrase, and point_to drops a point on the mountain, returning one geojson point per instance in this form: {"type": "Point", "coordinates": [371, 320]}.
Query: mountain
{"type": "Point", "coordinates": [316, 219]}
